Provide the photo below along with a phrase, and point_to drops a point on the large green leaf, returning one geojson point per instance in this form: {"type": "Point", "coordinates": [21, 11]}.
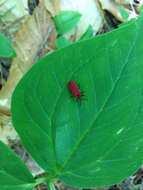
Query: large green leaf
{"type": "Point", "coordinates": [13, 172]}
{"type": "Point", "coordinates": [96, 143]}
{"type": "Point", "coordinates": [6, 48]}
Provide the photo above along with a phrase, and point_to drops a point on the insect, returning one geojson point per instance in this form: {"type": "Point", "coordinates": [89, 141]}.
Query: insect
{"type": "Point", "coordinates": [74, 89]}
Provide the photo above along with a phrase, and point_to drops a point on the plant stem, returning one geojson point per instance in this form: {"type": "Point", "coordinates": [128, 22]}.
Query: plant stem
{"type": "Point", "coordinates": [47, 180]}
{"type": "Point", "coordinates": [41, 180]}
{"type": "Point", "coordinates": [50, 185]}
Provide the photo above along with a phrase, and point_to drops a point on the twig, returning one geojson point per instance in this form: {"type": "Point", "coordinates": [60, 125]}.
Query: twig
{"type": "Point", "coordinates": [43, 43]}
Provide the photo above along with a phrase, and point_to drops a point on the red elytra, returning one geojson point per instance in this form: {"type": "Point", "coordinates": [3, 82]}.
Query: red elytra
{"type": "Point", "coordinates": [74, 90]}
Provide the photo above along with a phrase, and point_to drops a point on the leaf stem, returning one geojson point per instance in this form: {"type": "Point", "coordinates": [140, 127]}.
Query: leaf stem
{"type": "Point", "coordinates": [47, 180]}
{"type": "Point", "coordinates": [50, 185]}
{"type": "Point", "coordinates": [41, 180]}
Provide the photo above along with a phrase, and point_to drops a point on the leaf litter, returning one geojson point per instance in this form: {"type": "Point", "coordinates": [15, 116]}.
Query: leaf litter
{"type": "Point", "coordinates": [31, 35]}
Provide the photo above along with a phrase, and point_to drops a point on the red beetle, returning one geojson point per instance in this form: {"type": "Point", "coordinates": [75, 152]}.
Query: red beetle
{"type": "Point", "coordinates": [75, 90]}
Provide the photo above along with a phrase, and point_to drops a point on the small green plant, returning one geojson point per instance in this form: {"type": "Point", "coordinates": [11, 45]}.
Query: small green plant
{"type": "Point", "coordinates": [6, 48]}
{"type": "Point", "coordinates": [62, 42]}
{"type": "Point", "coordinates": [88, 33]}
{"type": "Point", "coordinates": [66, 21]}
{"type": "Point", "coordinates": [96, 144]}
{"type": "Point", "coordinates": [124, 14]}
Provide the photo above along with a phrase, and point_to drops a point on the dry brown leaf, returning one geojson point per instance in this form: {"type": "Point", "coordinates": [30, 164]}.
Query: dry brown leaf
{"type": "Point", "coordinates": [25, 156]}
{"type": "Point", "coordinates": [52, 6]}
{"type": "Point", "coordinates": [124, 2]}
{"type": "Point", "coordinates": [29, 38]}
{"type": "Point", "coordinates": [138, 7]}
{"type": "Point", "coordinates": [17, 9]}
{"type": "Point", "coordinates": [7, 132]}
{"type": "Point", "coordinates": [101, 188]}
{"type": "Point", "coordinates": [113, 7]}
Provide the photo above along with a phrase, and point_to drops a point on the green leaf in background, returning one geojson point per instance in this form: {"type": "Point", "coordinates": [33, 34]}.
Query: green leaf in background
{"type": "Point", "coordinates": [62, 42]}
{"type": "Point", "coordinates": [13, 172]}
{"type": "Point", "coordinates": [99, 142]}
{"type": "Point", "coordinates": [88, 34]}
{"type": "Point", "coordinates": [124, 13]}
{"type": "Point", "coordinates": [6, 48]}
{"type": "Point", "coordinates": [66, 20]}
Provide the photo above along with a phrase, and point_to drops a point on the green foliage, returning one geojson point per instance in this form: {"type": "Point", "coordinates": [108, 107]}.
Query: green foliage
{"type": "Point", "coordinates": [100, 142]}
{"type": "Point", "coordinates": [62, 42]}
{"type": "Point", "coordinates": [13, 172]}
{"type": "Point", "coordinates": [124, 13]}
{"type": "Point", "coordinates": [6, 48]}
{"type": "Point", "coordinates": [88, 34]}
{"type": "Point", "coordinates": [66, 20]}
